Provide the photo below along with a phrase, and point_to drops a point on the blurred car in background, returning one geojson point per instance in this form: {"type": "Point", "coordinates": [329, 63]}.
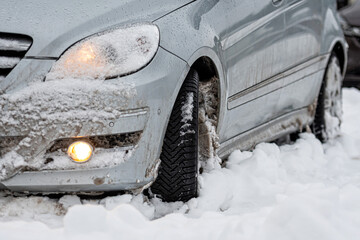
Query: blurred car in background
{"type": "Point", "coordinates": [351, 25]}
{"type": "Point", "coordinates": [342, 3]}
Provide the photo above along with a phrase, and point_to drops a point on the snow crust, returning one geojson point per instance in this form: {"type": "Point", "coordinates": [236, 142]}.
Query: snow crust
{"type": "Point", "coordinates": [187, 114]}
{"type": "Point", "coordinates": [304, 190]}
{"type": "Point", "coordinates": [333, 100]}
{"type": "Point", "coordinates": [51, 110]}
{"type": "Point", "coordinates": [9, 62]}
{"type": "Point", "coordinates": [100, 158]}
{"type": "Point", "coordinates": [208, 137]}
{"type": "Point", "coordinates": [9, 44]}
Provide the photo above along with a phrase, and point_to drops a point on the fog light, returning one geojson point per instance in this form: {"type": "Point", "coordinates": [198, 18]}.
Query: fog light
{"type": "Point", "coordinates": [80, 151]}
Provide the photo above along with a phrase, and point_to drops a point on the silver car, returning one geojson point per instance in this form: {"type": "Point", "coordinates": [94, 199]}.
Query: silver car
{"type": "Point", "coordinates": [139, 94]}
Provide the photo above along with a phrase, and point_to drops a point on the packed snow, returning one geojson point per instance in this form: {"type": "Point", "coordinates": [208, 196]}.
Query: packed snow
{"type": "Point", "coordinates": [9, 44]}
{"type": "Point", "coordinates": [302, 190]}
{"type": "Point", "coordinates": [332, 99]}
{"type": "Point", "coordinates": [208, 120]}
{"type": "Point", "coordinates": [64, 106]}
{"type": "Point", "coordinates": [187, 114]}
{"type": "Point", "coordinates": [9, 62]}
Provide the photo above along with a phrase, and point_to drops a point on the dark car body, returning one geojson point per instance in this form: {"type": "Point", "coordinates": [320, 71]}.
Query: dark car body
{"type": "Point", "coordinates": [342, 3]}
{"type": "Point", "coordinates": [351, 26]}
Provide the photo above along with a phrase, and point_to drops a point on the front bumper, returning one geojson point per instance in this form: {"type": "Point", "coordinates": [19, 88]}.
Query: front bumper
{"type": "Point", "coordinates": [42, 112]}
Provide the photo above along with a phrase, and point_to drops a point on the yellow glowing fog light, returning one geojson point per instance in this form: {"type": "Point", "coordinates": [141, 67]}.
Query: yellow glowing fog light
{"type": "Point", "coordinates": [80, 151]}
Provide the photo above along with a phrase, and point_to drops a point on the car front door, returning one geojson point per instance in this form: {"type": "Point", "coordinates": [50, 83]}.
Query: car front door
{"type": "Point", "coordinates": [254, 52]}
{"type": "Point", "coordinates": [301, 82]}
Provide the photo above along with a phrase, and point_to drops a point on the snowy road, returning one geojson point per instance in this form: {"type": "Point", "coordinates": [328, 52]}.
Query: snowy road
{"type": "Point", "coordinates": [300, 191]}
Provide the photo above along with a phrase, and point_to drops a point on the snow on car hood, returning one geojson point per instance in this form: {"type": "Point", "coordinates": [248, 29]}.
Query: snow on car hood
{"type": "Point", "coordinates": [56, 25]}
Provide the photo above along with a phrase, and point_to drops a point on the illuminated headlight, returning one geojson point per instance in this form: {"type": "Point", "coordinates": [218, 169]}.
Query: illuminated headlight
{"type": "Point", "coordinates": [109, 54]}
{"type": "Point", "coordinates": [80, 151]}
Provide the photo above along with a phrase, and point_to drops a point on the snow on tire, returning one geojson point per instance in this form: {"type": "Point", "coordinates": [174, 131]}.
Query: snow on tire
{"type": "Point", "coordinates": [177, 177]}
{"type": "Point", "coordinates": [328, 114]}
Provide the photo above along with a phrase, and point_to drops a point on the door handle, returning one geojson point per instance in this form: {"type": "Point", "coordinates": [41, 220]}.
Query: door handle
{"type": "Point", "coordinates": [277, 3]}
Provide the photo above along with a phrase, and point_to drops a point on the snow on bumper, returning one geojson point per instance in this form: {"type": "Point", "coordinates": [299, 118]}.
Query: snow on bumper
{"type": "Point", "coordinates": [44, 112]}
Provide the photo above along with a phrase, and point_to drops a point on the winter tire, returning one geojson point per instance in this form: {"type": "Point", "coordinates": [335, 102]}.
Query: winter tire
{"type": "Point", "coordinates": [329, 106]}
{"type": "Point", "coordinates": [177, 177]}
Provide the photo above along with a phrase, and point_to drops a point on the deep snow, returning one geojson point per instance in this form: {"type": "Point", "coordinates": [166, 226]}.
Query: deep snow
{"type": "Point", "coordinates": [303, 190]}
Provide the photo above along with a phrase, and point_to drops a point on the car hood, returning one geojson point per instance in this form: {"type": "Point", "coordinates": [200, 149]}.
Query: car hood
{"type": "Point", "coordinates": [56, 25]}
{"type": "Point", "coordinates": [352, 14]}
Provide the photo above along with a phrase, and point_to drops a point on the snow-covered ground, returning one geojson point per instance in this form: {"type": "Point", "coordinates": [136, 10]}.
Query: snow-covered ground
{"type": "Point", "coordinates": [305, 190]}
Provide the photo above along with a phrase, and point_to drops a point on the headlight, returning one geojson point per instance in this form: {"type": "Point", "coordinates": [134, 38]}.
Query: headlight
{"type": "Point", "coordinates": [109, 54]}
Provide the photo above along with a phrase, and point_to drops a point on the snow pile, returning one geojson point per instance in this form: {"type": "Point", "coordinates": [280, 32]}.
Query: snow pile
{"type": "Point", "coordinates": [51, 211]}
{"type": "Point", "coordinates": [305, 190]}
{"type": "Point", "coordinates": [350, 128]}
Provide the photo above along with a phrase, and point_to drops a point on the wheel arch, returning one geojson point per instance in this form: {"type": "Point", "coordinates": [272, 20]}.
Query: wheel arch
{"type": "Point", "coordinates": [208, 64]}
{"type": "Point", "coordinates": [333, 37]}
{"type": "Point", "coordinates": [340, 53]}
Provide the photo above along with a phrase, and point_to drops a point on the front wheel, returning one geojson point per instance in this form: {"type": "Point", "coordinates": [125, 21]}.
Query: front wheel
{"type": "Point", "coordinates": [177, 177]}
{"type": "Point", "coordinates": [329, 107]}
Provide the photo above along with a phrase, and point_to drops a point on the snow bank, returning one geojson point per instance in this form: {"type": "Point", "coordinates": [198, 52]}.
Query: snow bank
{"type": "Point", "coordinates": [305, 190]}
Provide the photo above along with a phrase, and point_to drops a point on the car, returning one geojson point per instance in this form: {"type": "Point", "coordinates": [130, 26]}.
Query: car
{"type": "Point", "coordinates": [342, 3]}
{"type": "Point", "coordinates": [134, 95]}
{"type": "Point", "coordinates": [350, 22]}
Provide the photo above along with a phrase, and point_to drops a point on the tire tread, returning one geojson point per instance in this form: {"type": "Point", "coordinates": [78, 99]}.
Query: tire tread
{"type": "Point", "coordinates": [177, 177]}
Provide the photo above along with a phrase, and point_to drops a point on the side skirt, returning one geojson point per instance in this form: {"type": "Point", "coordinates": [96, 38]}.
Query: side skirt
{"type": "Point", "coordinates": [285, 124]}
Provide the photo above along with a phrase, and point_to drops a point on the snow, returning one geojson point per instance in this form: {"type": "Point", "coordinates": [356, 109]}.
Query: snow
{"type": "Point", "coordinates": [8, 62]}
{"type": "Point", "coordinates": [12, 44]}
{"type": "Point", "coordinates": [57, 109]}
{"type": "Point", "coordinates": [304, 190]}
{"type": "Point", "coordinates": [333, 100]}
{"type": "Point", "coordinates": [101, 157]}
{"type": "Point", "coordinates": [187, 114]}
{"type": "Point", "coordinates": [208, 137]}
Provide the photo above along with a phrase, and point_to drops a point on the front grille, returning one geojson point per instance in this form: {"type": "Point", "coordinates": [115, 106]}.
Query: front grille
{"type": "Point", "coordinates": [13, 48]}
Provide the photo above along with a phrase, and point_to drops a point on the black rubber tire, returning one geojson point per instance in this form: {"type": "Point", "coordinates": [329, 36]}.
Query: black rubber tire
{"type": "Point", "coordinates": [320, 126]}
{"type": "Point", "coordinates": [178, 171]}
